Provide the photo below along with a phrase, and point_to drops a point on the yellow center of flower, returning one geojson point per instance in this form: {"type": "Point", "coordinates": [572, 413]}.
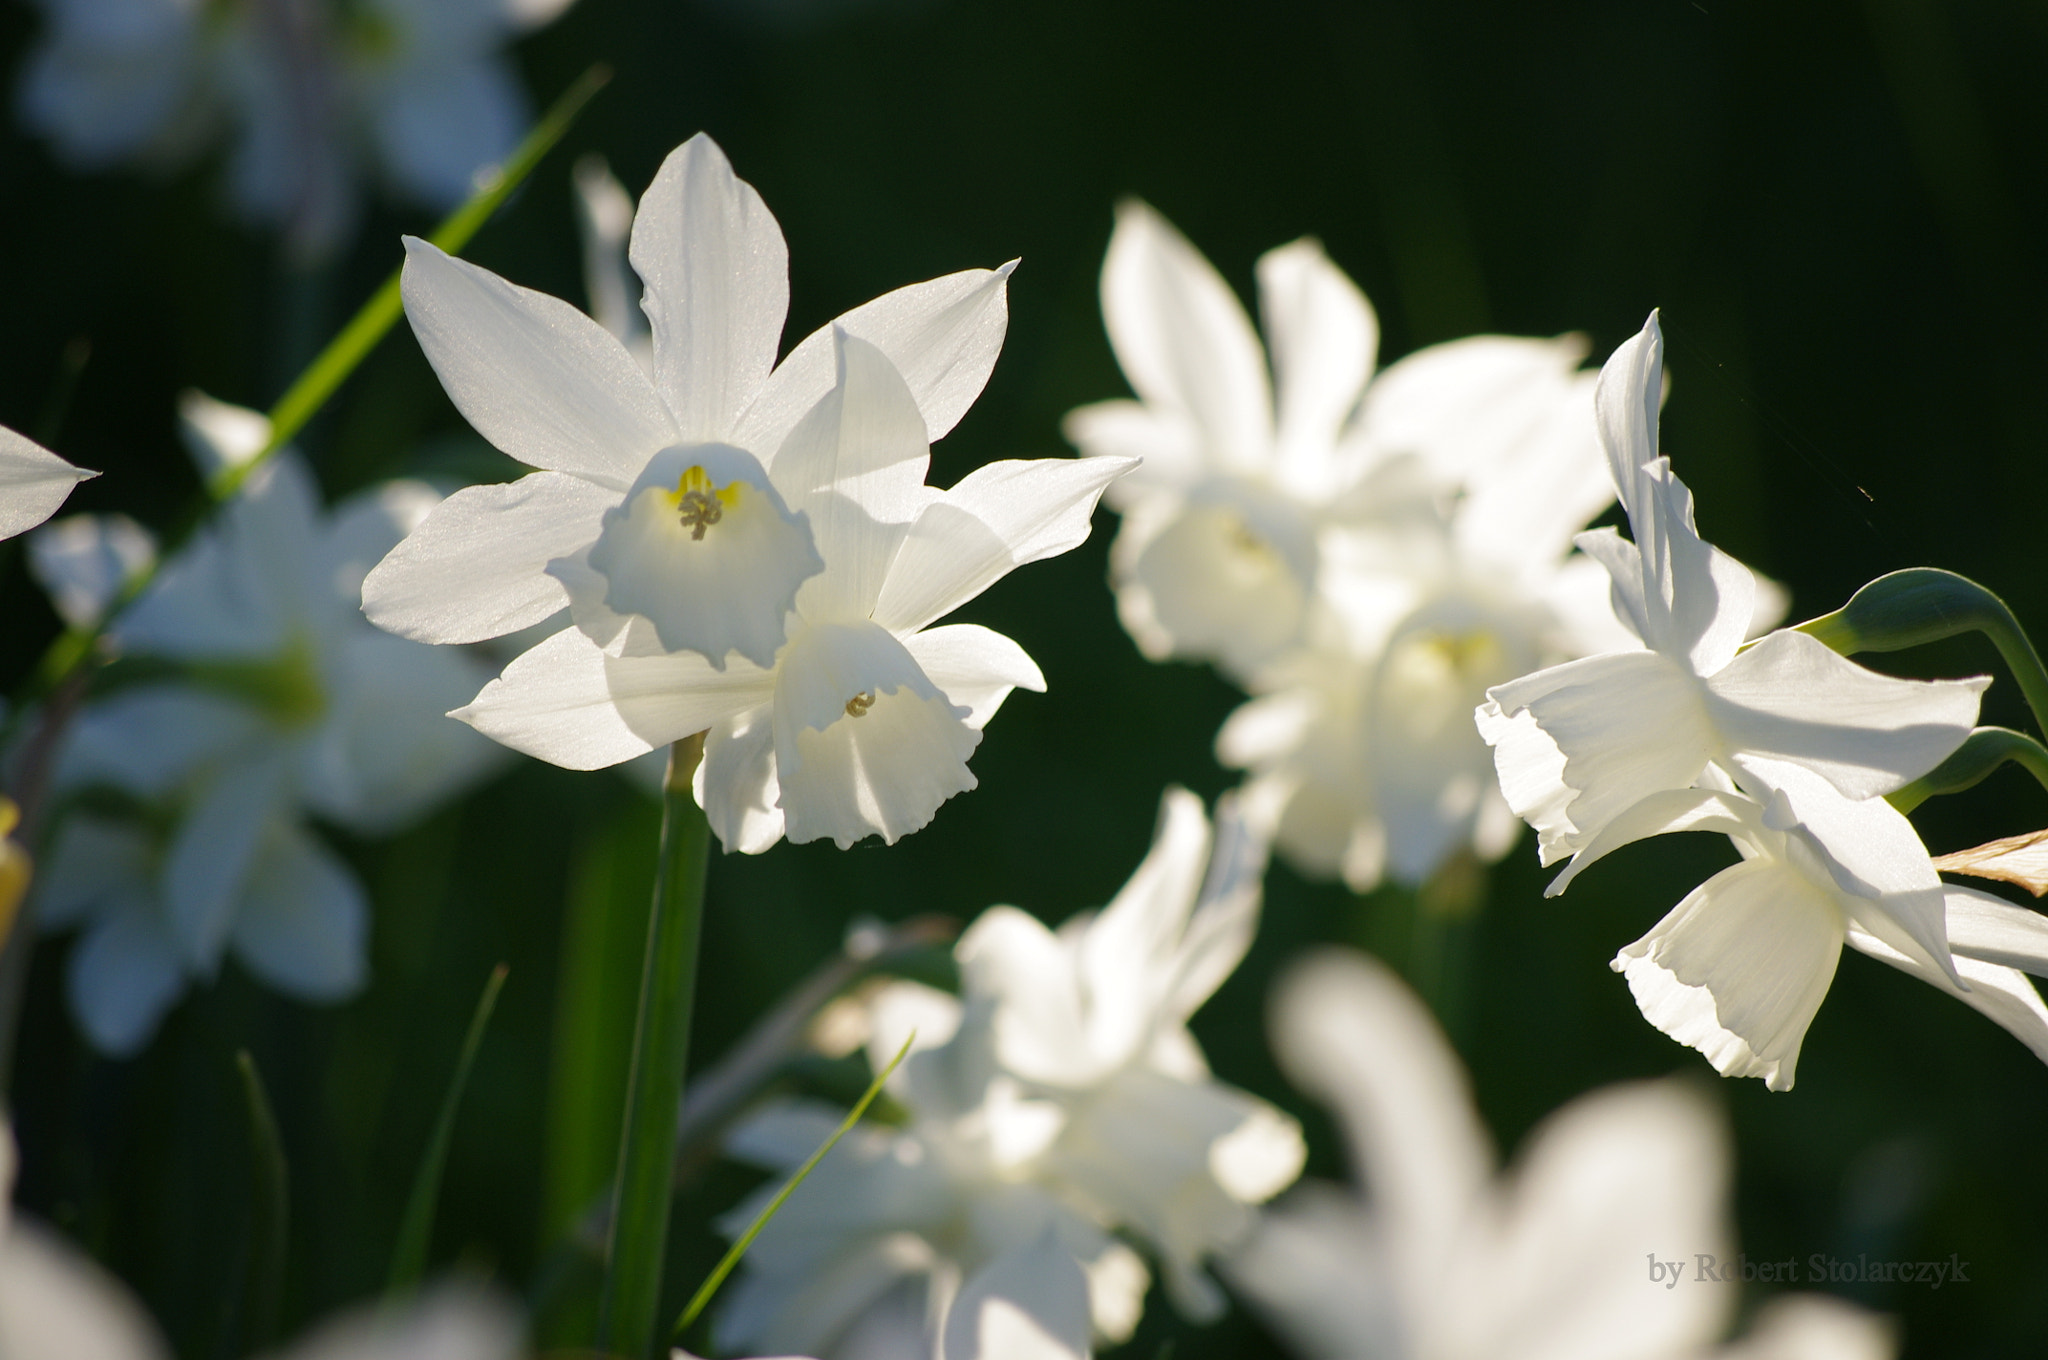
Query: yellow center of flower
{"type": "Point", "coordinates": [860, 703]}
{"type": "Point", "coordinates": [699, 504]}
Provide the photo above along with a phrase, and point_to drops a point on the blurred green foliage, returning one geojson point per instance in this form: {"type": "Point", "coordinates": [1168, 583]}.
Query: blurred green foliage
{"type": "Point", "coordinates": [1838, 207]}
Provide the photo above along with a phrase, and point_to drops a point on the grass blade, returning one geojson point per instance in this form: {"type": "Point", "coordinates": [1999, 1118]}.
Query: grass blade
{"type": "Point", "coordinates": [416, 1229]}
{"type": "Point", "coordinates": [702, 1297]}
{"type": "Point", "coordinates": [270, 1211]}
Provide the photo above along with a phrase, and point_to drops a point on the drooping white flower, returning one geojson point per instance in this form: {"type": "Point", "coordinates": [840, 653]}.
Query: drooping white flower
{"type": "Point", "coordinates": [315, 97]}
{"type": "Point", "coordinates": [1577, 744]}
{"type": "Point", "coordinates": [53, 1300]}
{"type": "Point", "coordinates": [745, 548]}
{"type": "Point", "coordinates": [1058, 1100]}
{"type": "Point", "coordinates": [1440, 1260]}
{"type": "Point", "coordinates": [1738, 969]}
{"type": "Point", "coordinates": [284, 704]}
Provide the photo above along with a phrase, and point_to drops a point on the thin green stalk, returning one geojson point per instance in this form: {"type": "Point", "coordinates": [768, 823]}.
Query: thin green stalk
{"type": "Point", "coordinates": [269, 1211]}
{"type": "Point", "coordinates": [416, 1229]}
{"type": "Point", "coordinates": [725, 1266]}
{"type": "Point", "coordinates": [1983, 751]}
{"type": "Point", "coordinates": [1925, 604]}
{"type": "Point", "coordinates": [638, 1245]}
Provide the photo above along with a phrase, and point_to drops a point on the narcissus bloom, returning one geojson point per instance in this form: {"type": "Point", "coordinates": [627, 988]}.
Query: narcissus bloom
{"type": "Point", "coordinates": [1059, 1100]}
{"type": "Point", "coordinates": [745, 548]}
{"type": "Point", "coordinates": [312, 94]}
{"type": "Point", "coordinates": [1438, 1258]}
{"type": "Point", "coordinates": [1577, 744]}
{"type": "Point", "coordinates": [284, 704]}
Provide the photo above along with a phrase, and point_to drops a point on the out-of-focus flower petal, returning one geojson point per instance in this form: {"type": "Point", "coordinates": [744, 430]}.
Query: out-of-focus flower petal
{"type": "Point", "coordinates": [84, 561]}
{"type": "Point", "coordinates": [303, 921]}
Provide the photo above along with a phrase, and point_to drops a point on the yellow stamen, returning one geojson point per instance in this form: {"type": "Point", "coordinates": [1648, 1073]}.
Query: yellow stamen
{"type": "Point", "coordinates": [700, 505]}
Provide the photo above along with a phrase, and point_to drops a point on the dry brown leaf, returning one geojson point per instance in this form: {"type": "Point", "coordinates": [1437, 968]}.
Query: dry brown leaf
{"type": "Point", "coordinates": [2019, 859]}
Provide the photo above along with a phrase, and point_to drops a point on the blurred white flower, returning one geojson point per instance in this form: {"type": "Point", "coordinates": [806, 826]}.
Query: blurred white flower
{"type": "Point", "coordinates": [449, 1322]}
{"type": "Point", "coordinates": [282, 703]}
{"type": "Point", "coordinates": [313, 94]}
{"type": "Point", "coordinates": [1059, 1100]}
{"type": "Point", "coordinates": [1360, 742]}
{"type": "Point", "coordinates": [744, 551]}
{"type": "Point", "coordinates": [54, 1302]}
{"type": "Point", "coordinates": [1440, 1259]}
{"type": "Point", "coordinates": [1577, 744]}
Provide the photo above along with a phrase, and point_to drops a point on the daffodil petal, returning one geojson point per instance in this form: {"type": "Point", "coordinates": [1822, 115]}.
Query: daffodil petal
{"type": "Point", "coordinates": [1324, 338]}
{"type": "Point", "coordinates": [303, 922]}
{"type": "Point", "coordinates": [125, 974]}
{"type": "Point", "coordinates": [976, 667]}
{"type": "Point", "coordinates": [1030, 1303]}
{"type": "Point", "coordinates": [33, 483]}
{"type": "Point", "coordinates": [736, 785]}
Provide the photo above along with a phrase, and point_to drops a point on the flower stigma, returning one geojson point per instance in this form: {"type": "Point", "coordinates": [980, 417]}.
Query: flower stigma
{"type": "Point", "coordinates": [860, 703]}
{"type": "Point", "coordinates": [698, 503]}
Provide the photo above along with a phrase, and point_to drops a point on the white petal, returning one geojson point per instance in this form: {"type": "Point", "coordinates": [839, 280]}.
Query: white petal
{"type": "Point", "coordinates": [1352, 1036]}
{"type": "Point", "coordinates": [1324, 338]}
{"type": "Point", "coordinates": [1606, 1180]}
{"type": "Point", "coordinates": [535, 376]}
{"type": "Point", "coordinates": [1531, 773]}
{"type": "Point", "coordinates": [476, 567]}
{"type": "Point", "coordinates": [444, 122]}
{"type": "Point", "coordinates": [997, 518]}
{"type": "Point", "coordinates": [124, 975]}
{"type": "Point", "coordinates": [942, 335]}
{"type": "Point", "coordinates": [33, 483]}
{"type": "Point", "coordinates": [90, 865]}
{"type": "Point", "coordinates": [856, 465]}
{"type": "Point", "coordinates": [1739, 967]}
{"type": "Point", "coordinates": [84, 561]}
{"type": "Point", "coordinates": [149, 739]}
{"type": "Point", "coordinates": [303, 922]}
{"type": "Point", "coordinates": [568, 703]}
{"type": "Point", "coordinates": [865, 744]}
{"type": "Point", "coordinates": [218, 435]}
{"type": "Point", "coordinates": [1226, 915]}
{"type": "Point", "coordinates": [1626, 402]}
{"type": "Point", "coordinates": [1628, 724]}
{"type": "Point", "coordinates": [717, 276]}
{"type": "Point", "coordinates": [975, 667]}
{"type": "Point", "coordinates": [55, 1302]}
{"type": "Point", "coordinates": [1128, 952]}
{"type": "Point", "coordinates": [604, 218]}
{"type": "Point", "coordinates": [1183, 340]}
{"type": "Point", "coordinates": [1028, 1304]}
{"type": "Point", "coordinates": [214, 851]}
{"type": "Point", "coordinates": [105, 91]}
{"type": "Point", "coordinates": [2002, 993]}
{"type": "Point", "coordinates": [1814, 1327]}
{"type": "Point", "coordinates": [450, 1322]}
{"type": "Point", "coordinates": [1040, 1021]}
{"type": "Point", "coordinates": [386, 751]}
{"type": "Point", "coordinates": [705, 549]}
{"type": "Point", "coordinates": [1791, 698]}
{"type": "Point", "coordinates": [736, 784]}
{"type": "Point", "coordinates": [1981, 926]}
{"type": "Point", "coordinates": [1167, 442]}
{"type": "Point", "coordinates": [1663, 813]}
{"type": "Point", "coordinates": [1316, 1269]}
{"type": "Point", "coordinates": [363, 529]}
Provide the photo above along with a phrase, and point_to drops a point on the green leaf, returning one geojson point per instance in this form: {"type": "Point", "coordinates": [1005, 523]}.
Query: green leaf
{"type": "Point", "coordinates": [416, 1229]}
{"type": "Point", "coordinates": [638, 1243]}
{"type": "Point", "coordinates": [702, 1297]}
{"type": "Point", "coordinates": [270, 1210]}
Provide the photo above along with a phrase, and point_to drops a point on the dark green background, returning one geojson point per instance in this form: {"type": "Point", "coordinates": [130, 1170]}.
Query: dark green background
{"type": "Point", "coordinates": [1836, 206]}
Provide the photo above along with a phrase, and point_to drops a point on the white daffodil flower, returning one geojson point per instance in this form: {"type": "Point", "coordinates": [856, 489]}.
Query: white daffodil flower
{"type": "Point", "coordinates": [1578, 744]}
{"type": "Point", "coordinates": [1738, 969]}
{"type": "Point", "coordinates": [1442, 1260]}
{"type": "Point", "coordinates": [1058, 1100]}
{"type": "Point", "coordinates": [1221, 546]}
{"type": "Point", "coordinates": [1359, 742]}
{"type": "Point", "coordinates": [312, 95]}
{"type": "Point", "coordinates": [53, 1300]}
{"type": "Point", "coordinates": [747, 552]}
{"type": "Point", "coordinates": [448, 1322]}
{"type": "Point", "coordinates": [285, 704]}
{"type": "Point", "coordinates": [33, 483]}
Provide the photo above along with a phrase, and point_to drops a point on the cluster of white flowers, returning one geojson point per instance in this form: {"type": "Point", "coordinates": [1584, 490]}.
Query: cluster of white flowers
{"type": "Point", "coordinates": [743, 547]}
{"type": "Point", "coordinates": [188, 839]}
{"type": "Point", "coordinates": [1058, 1101]}
{"type": "Point", "coordinates": [309, 92]}
{"type": "Point", "coordinates": [1365, 554]}
{"type": "Point", "coordinates": [1783, 745]}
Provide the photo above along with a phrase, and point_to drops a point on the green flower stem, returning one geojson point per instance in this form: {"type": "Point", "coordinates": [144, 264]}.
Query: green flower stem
{"type": "Point", "coordinates": [1983, 751]}
{"type": "Point", "coordinates": [638, 1243]}
{"type": "Point", "coordinates": [1925, 604]}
